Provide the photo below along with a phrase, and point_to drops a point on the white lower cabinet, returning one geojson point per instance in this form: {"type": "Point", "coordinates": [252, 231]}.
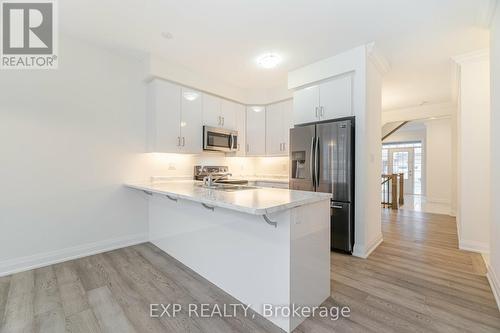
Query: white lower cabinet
{"type": "Point", "coordinates": [174, 118]}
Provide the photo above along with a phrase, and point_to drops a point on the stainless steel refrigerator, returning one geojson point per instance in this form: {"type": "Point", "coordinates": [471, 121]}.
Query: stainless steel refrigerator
{"type": "Point", "coordinates": [322, 160]}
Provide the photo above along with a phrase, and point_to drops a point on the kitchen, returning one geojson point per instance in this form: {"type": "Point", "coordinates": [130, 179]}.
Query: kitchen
{"type": "Point", "coordinates": [187, 214]}
{"type": "Point", "coordinates": [196, 164]}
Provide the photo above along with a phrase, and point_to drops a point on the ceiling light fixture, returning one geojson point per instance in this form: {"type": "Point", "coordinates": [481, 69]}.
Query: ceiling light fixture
{"type": "Point", "coordinates": [268, 60]}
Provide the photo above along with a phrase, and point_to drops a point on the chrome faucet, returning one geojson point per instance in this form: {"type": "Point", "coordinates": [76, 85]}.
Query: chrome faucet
{"type": "Point", "coordinates": [210, 180]}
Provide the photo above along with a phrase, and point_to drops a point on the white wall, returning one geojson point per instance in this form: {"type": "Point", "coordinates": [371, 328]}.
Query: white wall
{"type": "Point", "coordinates": [494, 267]}
{"type": "Point", "coordinates": [438, 161]}
{"type": "Point", "coordinates": [473, 132]}
{"type": "Point", "coordinates": [69, 139]}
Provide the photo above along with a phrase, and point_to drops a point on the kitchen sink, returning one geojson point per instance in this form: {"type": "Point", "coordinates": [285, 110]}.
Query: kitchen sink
{"type": "Point", "coordinates": [228, 187]}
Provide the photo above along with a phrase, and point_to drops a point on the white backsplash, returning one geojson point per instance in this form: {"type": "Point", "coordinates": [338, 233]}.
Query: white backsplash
{"type": "Point", "coordinates": [181, 165]}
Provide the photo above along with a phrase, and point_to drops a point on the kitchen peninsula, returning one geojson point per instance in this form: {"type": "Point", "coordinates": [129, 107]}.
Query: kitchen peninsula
{"type": "Point", "coordinates": [260, 245]}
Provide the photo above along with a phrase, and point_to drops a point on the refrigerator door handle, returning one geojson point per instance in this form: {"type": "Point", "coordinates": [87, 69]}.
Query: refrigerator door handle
{"type": "Point", "coordinates": [316, 162]}
{"type": "Point", "coordinates": [312, 166]}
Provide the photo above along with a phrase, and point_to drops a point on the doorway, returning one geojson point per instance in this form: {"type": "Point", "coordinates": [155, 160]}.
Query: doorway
{"type": "Point", "coordinates": [405, 158]}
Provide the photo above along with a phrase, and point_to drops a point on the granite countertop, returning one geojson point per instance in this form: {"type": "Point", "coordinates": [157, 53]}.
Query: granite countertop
{"type": "Point", "coordinates": [257, 201]}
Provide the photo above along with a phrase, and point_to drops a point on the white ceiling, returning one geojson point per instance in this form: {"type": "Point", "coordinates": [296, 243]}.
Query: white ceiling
{"type": "Point", "coordinates": [222, 38]}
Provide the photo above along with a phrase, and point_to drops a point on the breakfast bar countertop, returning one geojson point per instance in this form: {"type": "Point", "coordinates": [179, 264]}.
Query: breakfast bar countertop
{"type": "Point", "coordinates": [256, 201]}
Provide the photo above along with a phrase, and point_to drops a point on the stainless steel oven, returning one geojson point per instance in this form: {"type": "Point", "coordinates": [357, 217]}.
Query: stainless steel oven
{"type": "Point", "coordinates": [219, 139]}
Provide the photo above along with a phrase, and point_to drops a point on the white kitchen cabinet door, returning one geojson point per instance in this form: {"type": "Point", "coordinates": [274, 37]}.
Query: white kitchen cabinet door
{"type": "Point", "coordinates": [256, 131]}
{"type": "Point", "coordinates": [164, 117]}
{"type": "Point", "coordinates": [240, 113]}
{"type": "Point", "coordinates": [228, 114]}
{"type": "Point", "coordinates": [336, 98]}
{"type": "Point", "coordinates": [305, 105]}
{"type": "Point", "coordinates": [274, 130]}
{"type": "Point", "coordinates": [191, 121]}
{"type": "Point", "coordinates": [212, 111]}
{"type": "Point", "coordinates": [287, 124]}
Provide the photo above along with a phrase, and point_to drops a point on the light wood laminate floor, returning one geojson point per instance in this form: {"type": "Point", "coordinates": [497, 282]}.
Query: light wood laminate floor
{"type": "Point", "coordinates": [416, 281]}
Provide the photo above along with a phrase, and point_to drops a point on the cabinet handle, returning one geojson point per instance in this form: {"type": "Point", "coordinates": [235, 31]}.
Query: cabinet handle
{"type": "Point", "coordinates": [238, 145]}
{"type": "Point", "coordinates": [178, 141]}
{"type": "Point", "coordinates": [316, 108]}
{"type": "Point", "coordinates": [183, 141]}
{"type": "Point", "coordinates": [222, 121]}
{"type": "Point", "coordinates": [218, 120]}
{"type": "Point", "coordinates": [322, 111]}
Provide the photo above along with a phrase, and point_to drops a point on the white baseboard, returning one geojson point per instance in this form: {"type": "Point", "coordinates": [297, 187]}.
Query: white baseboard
{"type": "Point", "coordinates": [362, 251]}
{"type": "Point", "coordinates": [21, 264]}
{"type": "Point", "coordinates": [473, 246]}
{"type": "Point", "coordinates": [494, 283]}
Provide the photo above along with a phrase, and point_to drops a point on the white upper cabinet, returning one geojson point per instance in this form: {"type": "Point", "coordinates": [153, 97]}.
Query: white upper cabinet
{"type": "Point", "coordinates": [174, 121]}
{"type": "Point", "coordinates": [287, 124]}
{"type": "Point", "coordinates": [218, 112]}
{"type": "Point", "coordinates": [305, 105]}
{"type": "Point", "coordinates": [279, 122]}
{"type": "Point", "coordinates": [240, 115]}
{"type": "Point", "coordinates": [328, 100]}
{"type": "Point", "coordinates": [212, 107]}
{"type": "Point", "coordinates": [191, 125]}
{"type": "Point", "coordinates": [335, 98]}
{"type": "Point", "coordinates": [164, 117]}
{"type": "Point", "coordinates": [274, 129]}
{"type": "Point", "coordinates": [256, 131]}
{"type": "Point", "coordinates": [228, 114]}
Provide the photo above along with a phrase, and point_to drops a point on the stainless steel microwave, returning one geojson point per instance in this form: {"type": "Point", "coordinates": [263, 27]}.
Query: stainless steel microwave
{"type": "Point", "coordinates": [219, 139]}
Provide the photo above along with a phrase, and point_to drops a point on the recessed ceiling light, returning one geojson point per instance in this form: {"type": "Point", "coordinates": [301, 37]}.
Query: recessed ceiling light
{"type": "Point", "coordinates": [167, 35]}
{"type": "Point", "coordinates": [268, 60]}
{"type": "Point", "coordinates": [190, 95]}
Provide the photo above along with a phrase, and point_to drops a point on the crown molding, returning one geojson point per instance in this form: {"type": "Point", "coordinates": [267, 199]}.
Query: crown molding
{"type": "Point", "coordinates": [478, 55]}
{"type": "Point", "coordinates": [377, 58]}
{"type": "Point", "coordinates": [486, 13]}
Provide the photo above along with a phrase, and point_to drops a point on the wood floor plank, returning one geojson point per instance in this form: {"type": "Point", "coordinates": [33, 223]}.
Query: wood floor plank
{"type": "Point", "coordinates": [51, 321]}
{"type": "Point", "coordinates": [127, 295]}
{"type": "Point", "coordinates": [82, 322]}
{"type": "Point", "coordinates": [4, 293]}
{"type": "Point", "coordinates": [46, 296]}
{"type": "Point", "coordinates": [110, 315]}
{"type": "Point", "coordinates": [417, 280]}
{"type": "Point", "coordinates": [18, 315]}
{"type": "Point", "coordinates": [71, 291]}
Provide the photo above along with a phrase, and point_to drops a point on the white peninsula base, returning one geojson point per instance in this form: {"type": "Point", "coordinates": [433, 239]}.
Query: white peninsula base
{"type": "Point", "coordinates": [268, 248]}
{"type": "Point", "coordinates": [249, 259]}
